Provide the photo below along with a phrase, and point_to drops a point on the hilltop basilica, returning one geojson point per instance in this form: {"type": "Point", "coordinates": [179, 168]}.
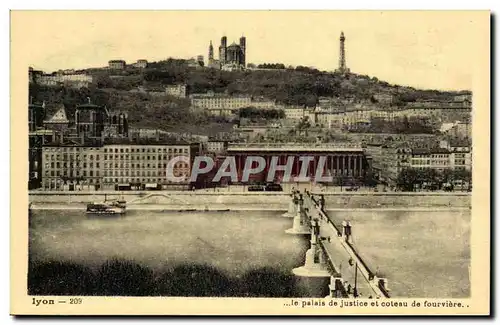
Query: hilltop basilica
{"type": "Point", "coordinates": [232, 57]}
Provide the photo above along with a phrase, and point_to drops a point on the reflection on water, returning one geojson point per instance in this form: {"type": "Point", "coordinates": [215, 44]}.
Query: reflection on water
{"type": "Point", "coordinates": [423, 254]}
{"type": "Point", "coordinates": [236, 253]}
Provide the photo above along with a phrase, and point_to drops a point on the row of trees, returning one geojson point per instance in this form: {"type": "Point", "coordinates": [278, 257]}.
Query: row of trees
{"type": "Point", "coordinates": [409, 179]}
{"type": "Point", "coordinates": [126, 278]}
{"type": "Point", "coordinates": [252, 112]}
{"type": "Point", "coordinates": [271, 66]}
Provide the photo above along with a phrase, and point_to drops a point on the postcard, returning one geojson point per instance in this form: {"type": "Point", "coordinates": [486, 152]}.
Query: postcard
{"type": "Point", "coordinates": [250, 163]}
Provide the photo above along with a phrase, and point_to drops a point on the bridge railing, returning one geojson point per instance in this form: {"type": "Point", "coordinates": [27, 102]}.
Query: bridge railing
{"type": "Point", "coordinates": [376, 284]}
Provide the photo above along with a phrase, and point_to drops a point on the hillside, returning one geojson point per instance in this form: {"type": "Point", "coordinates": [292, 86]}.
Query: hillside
{"type": "Point", "coordinates": [167, 113]}
{"type": "Point", "coordinates": [298, 86]}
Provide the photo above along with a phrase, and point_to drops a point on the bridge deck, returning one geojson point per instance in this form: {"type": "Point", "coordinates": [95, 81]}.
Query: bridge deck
{"type": "Point", "coordinates": [343, 256]}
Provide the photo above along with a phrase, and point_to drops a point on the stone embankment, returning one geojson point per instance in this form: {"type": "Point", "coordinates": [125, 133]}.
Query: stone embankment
{"type": "Point", "coordinates": [169, 200]}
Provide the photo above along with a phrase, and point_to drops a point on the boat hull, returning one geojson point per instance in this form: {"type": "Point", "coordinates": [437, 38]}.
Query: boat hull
{"type": "Point", "coordinates": [106, 212]}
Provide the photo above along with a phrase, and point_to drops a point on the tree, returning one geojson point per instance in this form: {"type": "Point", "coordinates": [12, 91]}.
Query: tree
{"type": "Point", "coordinates": [407, 178]}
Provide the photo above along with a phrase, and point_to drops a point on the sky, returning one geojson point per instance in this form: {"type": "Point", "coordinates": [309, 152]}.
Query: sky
{"type": "Point", "coordinates": [431, 50]}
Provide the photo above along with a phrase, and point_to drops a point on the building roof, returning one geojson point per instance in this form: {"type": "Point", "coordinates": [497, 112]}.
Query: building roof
{"type": "Point", "coordinates": [293, 147]}
{"type": "Point", "coordinates": [428, 151]}
{"type": "Point", "coordinates": [147, 141]}
{"type": "Point", "coordinates": [234, 45]}
{"type": "Point", "coordinates": [76, 142]}
{"type": "Point", "coordinates": [89, 106]}
{"type": "Point", "coordinates": [60, 116]}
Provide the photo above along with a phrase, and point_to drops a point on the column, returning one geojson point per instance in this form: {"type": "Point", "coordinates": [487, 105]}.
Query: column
{"type": "Point", "coordinates": [355, 169]}
{"type": "Point", "coordinates": [314, 166]}
{"type": "Point", "coordinates": [349, 169]}
{"type": "Point", "coordinates": [331, 165]}
{"type": "Point", "coordinates": [338, 166]}
{"type": "Point", "coordinates": [345, 168]}
{"type": "Point", "coordinates": [361, 165]}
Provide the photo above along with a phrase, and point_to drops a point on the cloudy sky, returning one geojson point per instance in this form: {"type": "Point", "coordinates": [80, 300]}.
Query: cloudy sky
{"type": "Point", "coordinates": [421, 49]}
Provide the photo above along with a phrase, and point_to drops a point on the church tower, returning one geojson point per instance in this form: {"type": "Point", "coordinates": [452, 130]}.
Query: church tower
{"type": "Point", "coordinates": [342, 64]}
{"type": "Point", "coordinates": [223, 50]}
{"type": "Point", "coordinates": [243, 46]}
{"type": "Point", "coordinates": [210, 53]}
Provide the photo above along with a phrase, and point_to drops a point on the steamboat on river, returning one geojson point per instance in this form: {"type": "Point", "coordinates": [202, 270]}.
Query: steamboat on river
{"type": "Point", "coordinates": [114, 207]}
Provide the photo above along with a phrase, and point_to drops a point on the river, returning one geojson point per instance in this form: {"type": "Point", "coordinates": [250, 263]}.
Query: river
{"type": "Point", "coordinates": [423, 254]}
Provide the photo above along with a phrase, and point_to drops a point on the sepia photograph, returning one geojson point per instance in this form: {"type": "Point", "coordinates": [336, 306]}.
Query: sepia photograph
{"type": "Point", "coordinates": [322, 158]}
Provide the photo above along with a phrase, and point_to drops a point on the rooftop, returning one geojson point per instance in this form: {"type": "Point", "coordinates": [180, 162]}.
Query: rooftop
{"type": "Point", "coordinates": [284, 147]}
{"type": "Point", "coordinates": [146, 141]}
{"type": "Point", "coordinates": [428, 151]}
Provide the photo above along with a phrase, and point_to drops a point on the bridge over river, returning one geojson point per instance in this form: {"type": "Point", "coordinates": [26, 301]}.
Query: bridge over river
{"type": "Point", "coordinates": [332, 253]}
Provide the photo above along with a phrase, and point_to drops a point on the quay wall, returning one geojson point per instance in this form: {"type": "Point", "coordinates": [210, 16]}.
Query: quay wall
{"type": "Point", "coordinates": [253, 200]}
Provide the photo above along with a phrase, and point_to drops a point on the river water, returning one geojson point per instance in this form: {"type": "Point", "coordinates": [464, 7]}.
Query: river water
{"type": "Point", "coordinates": [423, 254]}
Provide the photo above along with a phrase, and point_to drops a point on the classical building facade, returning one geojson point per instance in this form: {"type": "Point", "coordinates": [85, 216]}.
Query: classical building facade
{"type": "Point", "coordinates": [342, 160]}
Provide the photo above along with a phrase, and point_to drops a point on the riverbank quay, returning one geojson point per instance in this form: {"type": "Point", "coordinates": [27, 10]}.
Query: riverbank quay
{"type": "Point", "coordinates": [251, 201]}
